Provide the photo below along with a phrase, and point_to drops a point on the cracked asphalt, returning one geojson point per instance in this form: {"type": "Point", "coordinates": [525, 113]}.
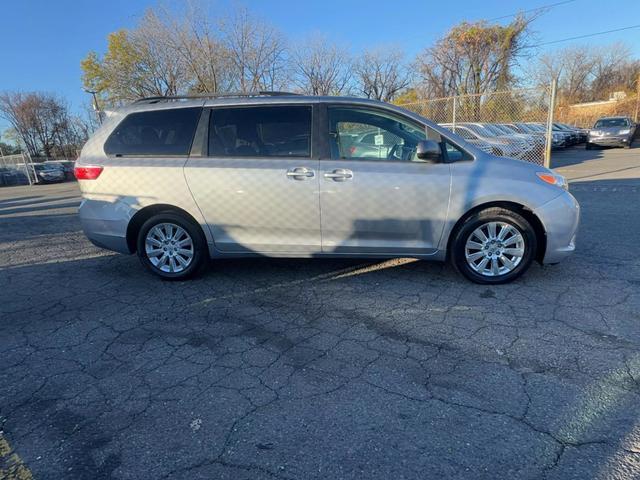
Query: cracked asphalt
{"type": "Point", "coordinates": [305, 369]}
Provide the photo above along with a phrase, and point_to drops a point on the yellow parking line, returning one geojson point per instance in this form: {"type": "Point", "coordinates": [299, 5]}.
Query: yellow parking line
{"type": "Point", "coordinates": [11, 465]}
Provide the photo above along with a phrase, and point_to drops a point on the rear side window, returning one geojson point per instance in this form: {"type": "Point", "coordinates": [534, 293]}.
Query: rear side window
{"type": "Point", "coordinates": [260, 132]}
{"type": "Point", "coordinates": [158, 132]}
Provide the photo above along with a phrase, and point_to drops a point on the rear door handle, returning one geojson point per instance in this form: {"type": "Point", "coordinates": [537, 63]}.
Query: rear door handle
{"type": "Point", "coordinates": [300, 173]}
{"type": "Point", "coordinates": [339, 175]}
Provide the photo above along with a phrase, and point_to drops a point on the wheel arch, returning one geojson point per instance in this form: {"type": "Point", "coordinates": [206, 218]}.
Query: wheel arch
{"type": "Point", "coordinates": [144, 214]}
{"type": "Point", "coordinates": [528, 214]}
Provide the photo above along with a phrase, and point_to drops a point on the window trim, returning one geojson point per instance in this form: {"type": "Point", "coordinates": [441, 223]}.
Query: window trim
{"type": "Point", "coordinates": [313, 147]}
{"type": "Point", "coordinates": [152, 155]}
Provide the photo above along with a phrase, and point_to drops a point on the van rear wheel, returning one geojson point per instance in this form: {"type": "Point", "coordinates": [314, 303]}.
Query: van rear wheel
{"type": "Point", "coordinates": [494, 246]}
{"type": "Point", "coordinates": [171, 246]}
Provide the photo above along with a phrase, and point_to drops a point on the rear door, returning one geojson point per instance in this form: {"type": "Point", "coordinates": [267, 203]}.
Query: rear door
{"type": "Point", "coordinates": [256, 180]}
{"type": "Point", "coordinates": [376, 196]}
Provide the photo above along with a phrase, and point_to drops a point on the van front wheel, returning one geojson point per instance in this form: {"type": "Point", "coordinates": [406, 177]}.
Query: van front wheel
{"type": "Point", "coordinates": [494, 246]}
{"type": "Point", "coordinates": [171, 246]}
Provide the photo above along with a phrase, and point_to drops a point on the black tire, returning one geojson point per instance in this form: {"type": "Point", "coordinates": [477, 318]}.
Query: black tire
{"type": "Point", "coordinates": [494, 214]}
{"type": "Point", "coordinates": [199, 244]}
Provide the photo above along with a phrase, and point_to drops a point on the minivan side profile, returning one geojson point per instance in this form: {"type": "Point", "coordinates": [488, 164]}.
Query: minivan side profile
{"type": "Point", "coordinates": [182, 180]}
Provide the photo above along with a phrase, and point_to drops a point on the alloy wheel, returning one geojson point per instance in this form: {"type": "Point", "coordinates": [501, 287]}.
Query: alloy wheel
{"type": "Point", "coordinates": [494, 249]}
{"type": "Point", "coordinates": [169, 247]}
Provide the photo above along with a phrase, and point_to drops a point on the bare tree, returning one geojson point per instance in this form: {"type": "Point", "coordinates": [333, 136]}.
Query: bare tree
{"type": "Point", "coordinates": [608, 66]}
{"type": "Point", "coordinates": [474, 58]}
{"type": "Point", "coordinates": [585, 73]}
{"type": "Point", "coordinates": [138, 63]}
{"type": "Point", "coordinates": [192, 38]}
{"type": "Point", "coordinates": [42, 122]}
{"type": "Point", "coordinates": [382, 73]}
{"type": "Point", "coordinates": [256, 52]}
{"type": "Point", "coordinates": [321, 67]}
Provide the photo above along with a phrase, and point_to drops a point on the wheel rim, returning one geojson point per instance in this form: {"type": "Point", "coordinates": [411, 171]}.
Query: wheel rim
{"type": "Point", "coordinates": [494, 249]}
{"type": "Point", "coordinates": [169, 248]}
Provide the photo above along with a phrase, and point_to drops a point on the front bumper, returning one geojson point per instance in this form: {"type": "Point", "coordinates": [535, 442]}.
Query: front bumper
{"type": "Point", "coordinates": [560, 218]}
{"type": "Point", "coordinates": [611, 140]}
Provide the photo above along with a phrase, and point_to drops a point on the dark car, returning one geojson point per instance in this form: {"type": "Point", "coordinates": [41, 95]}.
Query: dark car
{"type": "Point", "coordinates": [612, 132]}
{"type": "Point", "coordinates": [48, 173]}
{"type": "Point", "coordinates": [66, 166]}
{"type": "Point", "coordinates": [11, 176]}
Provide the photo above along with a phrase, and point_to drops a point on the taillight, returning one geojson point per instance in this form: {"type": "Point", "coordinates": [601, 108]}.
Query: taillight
{"type": "Point", "coordinates": [87, 173]}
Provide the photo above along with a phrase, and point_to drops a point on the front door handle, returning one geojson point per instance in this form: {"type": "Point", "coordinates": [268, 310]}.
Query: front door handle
{"type": "Point", "coordinates": [300, 173]}
{"type": "Point", "coordinates": [339, 175]}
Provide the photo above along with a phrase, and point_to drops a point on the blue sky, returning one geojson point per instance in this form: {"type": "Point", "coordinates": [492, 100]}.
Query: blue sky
{"type": "Point", "coordinates": [43, 41]}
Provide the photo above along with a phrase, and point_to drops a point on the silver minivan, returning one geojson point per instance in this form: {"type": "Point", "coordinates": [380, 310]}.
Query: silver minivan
{"type": "Point", "coordinates": [180, 180]}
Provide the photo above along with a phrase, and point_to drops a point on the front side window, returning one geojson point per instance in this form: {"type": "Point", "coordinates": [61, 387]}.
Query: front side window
{"type": "Point", "coordinates": [264, 131]}
{"type": "Point", "coordinates": [361, 134]}
{"type": "Point", "coordinates": [156, 132]}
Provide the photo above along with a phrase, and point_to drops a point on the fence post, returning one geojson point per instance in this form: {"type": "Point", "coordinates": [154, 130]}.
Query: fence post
{"type": "Point", "coordinates": [552, 107]}
{"type": "Point", "coordinates": [454, 113]}
{"type": "Point", "coordinates": [635, 119]}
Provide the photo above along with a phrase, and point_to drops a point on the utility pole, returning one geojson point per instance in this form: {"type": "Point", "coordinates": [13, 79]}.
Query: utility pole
{"type": "Point", "coordinates": [96, 106]}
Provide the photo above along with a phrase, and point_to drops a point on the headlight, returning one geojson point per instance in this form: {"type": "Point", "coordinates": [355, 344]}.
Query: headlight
{"type": "Point", "coordinates": [594, 132]}
{"type": "Point", "coordinates": [553, 179]}
{"type": "Point", "coordinates": [625, 131]}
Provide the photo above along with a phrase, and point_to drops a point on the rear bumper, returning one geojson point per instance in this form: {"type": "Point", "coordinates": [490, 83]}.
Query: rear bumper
{"type": "Point", "coordinates": [560, 217]}
{"type": "Point", "coordinates": [105, 224]}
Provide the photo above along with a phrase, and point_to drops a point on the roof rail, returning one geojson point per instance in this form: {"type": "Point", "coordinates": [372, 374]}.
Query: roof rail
{"type": "Point", "coordinates": [214, 95]}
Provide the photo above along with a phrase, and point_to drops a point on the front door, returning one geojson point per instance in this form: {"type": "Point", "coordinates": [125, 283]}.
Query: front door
{"type": "Point", "coordinates": [376, 196]}
{"type": "Point", "coordinates": [257, 183]}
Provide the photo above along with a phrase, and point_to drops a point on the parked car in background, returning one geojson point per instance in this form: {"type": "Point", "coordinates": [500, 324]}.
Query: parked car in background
{"type": "Point", "coordinates": [470, 137]}
{"type": "Point", "coordinates": [522, 147]}
{"type": "Point", "coordinates": [536, 142]}
{"type": "Point", "coordinates": [565, 138]}
{"type": "Point", "coordinates": [557, 140]}
{"type": "Point", "coordinates": [181, 180]}
{"type": "Point", "coordinates": [582, 133]}
{"type": "Point", "coordinates": [48, 173]}
{"type": "Point", "coordinates": [9, 177]}
{"type": "Point", "coordinates": [612, 132]}
{"type": "Point", "coordinates": [574, 135]}
{"type": "Point", "coordinates": [67, 167]}
{"type": "Point", "coordinates": [499, 147]}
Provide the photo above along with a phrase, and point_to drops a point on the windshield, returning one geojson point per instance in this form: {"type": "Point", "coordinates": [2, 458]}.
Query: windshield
{"type": "Point", "coordinates": [536, 127]}
{"type": "Point", "coordinates": [507, 129]}
{"type": "Point", "coordinates": [612, 122]}
{"type": "Point", "coordinates": [525, 128]}
{"type": "Point", "coordinates": [494, 129]}
{"type": "Point", "coordinates": [479, 130]}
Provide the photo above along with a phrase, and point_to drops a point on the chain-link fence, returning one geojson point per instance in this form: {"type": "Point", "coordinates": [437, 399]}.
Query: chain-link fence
{"type": "Point", "coordinates": [17, 170]}
{"type": "Point", "coordinates": [23, 169]}
{"type": "Point", "coordinates": [512, 123]}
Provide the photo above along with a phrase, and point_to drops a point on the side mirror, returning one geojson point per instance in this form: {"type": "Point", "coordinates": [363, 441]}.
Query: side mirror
{"type": "Point", "coordinates": [429, 150]}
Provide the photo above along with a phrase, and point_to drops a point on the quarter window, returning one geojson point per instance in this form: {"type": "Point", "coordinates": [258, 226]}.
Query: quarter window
{"type": "Point", "coordinates": [260, 132]}
{"type": "Point", "coordinates": [157, 132]}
